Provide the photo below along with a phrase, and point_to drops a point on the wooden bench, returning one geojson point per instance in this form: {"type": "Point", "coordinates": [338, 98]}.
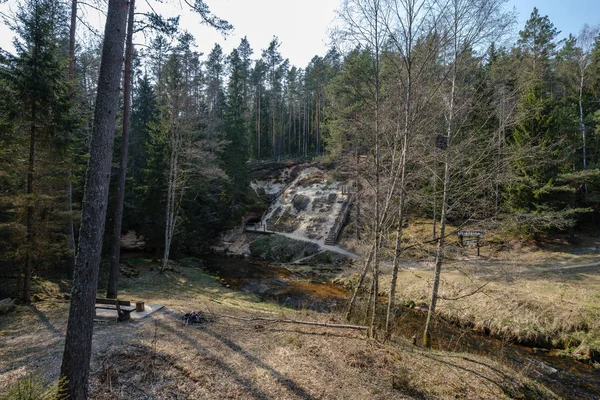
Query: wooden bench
{"type": "Point", "coordinates": [123, 307]}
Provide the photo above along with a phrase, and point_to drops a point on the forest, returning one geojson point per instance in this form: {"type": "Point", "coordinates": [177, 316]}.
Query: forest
{"type": "Point", "coordinates": [440, 110]}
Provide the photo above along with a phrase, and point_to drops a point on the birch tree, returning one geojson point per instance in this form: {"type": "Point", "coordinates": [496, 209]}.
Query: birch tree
{"type": "Point", "coordinates": [362, 24]}
{"type": "Point", "coordinates": [586, 43]}
{"type": "Point", "coordinates": [192, 154]}
{"type": "Point", "coordinates": [470, 23]}
{"type": "Point", "coordinates": [407, 23]}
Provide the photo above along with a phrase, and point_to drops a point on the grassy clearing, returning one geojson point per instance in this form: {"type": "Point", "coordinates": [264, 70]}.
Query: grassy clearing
{"type": "Point", "coordinates": [540, 296]}
{"type": "Point", "coordinates": [159, 357]}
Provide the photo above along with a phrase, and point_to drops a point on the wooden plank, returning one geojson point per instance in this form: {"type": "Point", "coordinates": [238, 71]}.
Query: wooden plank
{"type": "Point", "coordinates": [112, 301]}
{"type": "Point", "coordinates": [113, 307]}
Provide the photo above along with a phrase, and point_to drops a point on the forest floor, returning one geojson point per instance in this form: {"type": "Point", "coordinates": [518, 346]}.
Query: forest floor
{"type": "Point", "coordinates": [226, 358]}
{"type": "Point", "coordinates": [541, 294]}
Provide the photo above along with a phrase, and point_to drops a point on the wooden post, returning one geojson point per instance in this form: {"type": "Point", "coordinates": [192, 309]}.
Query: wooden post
{"type": "Point", "coordinates": [139, 306]}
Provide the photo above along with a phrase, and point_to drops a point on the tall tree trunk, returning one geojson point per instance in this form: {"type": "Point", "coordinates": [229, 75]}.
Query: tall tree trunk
{"type": "Point", "coordinates": [281, 129]}
{"type": "Point", "coordinates": [258, 124]}
{"type": "Point", "coordinates": [274, 144]}
{"type": "Point", "coordinates": [582, 126]}
{"type": "Point", "coordinates": [30, 238]}
{"type": "Point", "coordinates": [439, 258]}
{"type": "Point", "coordinates": [435, 179]}
{"type": "Point", "coordinates": [357, 196]}
{"type": "Point", "coordinates": [69, 229]}
{"type": "Point", "coordinates": [407, 110]}
{"type": "Point", "coordinates": [359, 283]}
{"type": "Point", "coordinates": [111, 290]}
{"type": "Point", "coordinates": [378, 223]}
{"type": "Point", "coordinates": [294, 122]}
{"type": "Point", "coordinates": [317, 123]}
{"type": "Point", "coordinates": [78, 342]}
{"type": "Point", "coordinates": [290, 111]}
{"type": "Point", "coordinates": [173, 181]}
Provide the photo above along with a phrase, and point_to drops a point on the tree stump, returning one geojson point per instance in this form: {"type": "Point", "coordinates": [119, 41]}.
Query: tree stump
{"type": "Point", "coordinates": [139, 306]}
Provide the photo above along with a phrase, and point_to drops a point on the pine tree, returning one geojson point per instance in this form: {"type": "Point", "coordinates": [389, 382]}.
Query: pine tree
{"type": "Point", "coordinates": [78, 342]}
{"type": "Point", "coordinates": [215, 95]}
{"type": "Point", "coordinates": [273, 61]}
{"type": "Point", "coordinates": [257, 81]}
{"type": "Point", "coordinates": [235, 153]}
{"type": "Point", "coordinates": [540, 139]}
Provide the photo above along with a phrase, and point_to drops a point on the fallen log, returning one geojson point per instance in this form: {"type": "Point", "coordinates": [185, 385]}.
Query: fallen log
{"type": "Point", "coordinates": [293, 321]}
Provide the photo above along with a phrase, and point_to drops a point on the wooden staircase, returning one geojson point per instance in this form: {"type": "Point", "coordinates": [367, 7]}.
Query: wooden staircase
{"type": "Point", "coordinates": [335, 230]}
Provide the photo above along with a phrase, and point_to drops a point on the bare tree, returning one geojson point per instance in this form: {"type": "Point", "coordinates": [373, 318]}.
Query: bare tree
{"type": "Point", "coordinates": [363, 25]}
{"type": "Point", "coordinates": [408, 21]}
{"type": "Point", "coordinates": [470, 23]}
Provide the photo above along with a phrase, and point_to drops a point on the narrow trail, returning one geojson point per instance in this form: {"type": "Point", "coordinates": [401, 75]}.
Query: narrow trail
{"type": "Point", "coordinates": [558, 267]}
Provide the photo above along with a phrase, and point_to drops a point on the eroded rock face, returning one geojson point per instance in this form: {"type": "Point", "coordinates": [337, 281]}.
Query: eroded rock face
{"type": "Point", "coordinates": [306, 206]}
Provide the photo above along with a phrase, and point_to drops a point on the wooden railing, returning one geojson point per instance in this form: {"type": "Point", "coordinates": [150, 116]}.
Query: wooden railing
{"type": "Point", "coordinates": [335, 230]}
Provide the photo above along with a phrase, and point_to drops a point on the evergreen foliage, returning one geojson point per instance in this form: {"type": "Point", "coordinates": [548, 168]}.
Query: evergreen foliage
{"type": "Point", "coordinates": [524, 148]}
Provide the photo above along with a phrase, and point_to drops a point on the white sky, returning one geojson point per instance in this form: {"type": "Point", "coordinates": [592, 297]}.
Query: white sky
{"type": "Point", "coordinates": [302, 25]}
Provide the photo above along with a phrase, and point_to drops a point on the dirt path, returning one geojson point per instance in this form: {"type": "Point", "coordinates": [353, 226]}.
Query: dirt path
{"type": "Point", "coordinates": [322, 245]}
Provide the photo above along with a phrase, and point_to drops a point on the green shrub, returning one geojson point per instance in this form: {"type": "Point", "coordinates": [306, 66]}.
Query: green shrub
{"type": "Point", "coordinates": [31, 387]}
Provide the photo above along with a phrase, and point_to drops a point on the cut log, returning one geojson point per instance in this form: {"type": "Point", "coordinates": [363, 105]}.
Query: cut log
{"type": "Point", "coordinates": [139, 306]}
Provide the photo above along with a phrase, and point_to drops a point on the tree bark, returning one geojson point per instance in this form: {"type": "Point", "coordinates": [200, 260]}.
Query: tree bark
{"type": "Point", "coordinates": [378, 223]}
{"type": "Point", "coordinates": [439, 258]}
{"type": "Point", "coordinates": [170, 217]}
{"type": "Point", "coordinates": [398, 251]}
{"type": "Point", "coordinates": [113, 278]}
{"type": "Point", "coordinates": [359, 283]}
{"type": "Point", "coordinates": [582, 124]}
{"type": "Point", "coordinates": [69, 229]}
{"type": "Point", "coordinates": [30, 238]}
{"type": "Point", "coordinates": [357, 197]}
{"type": "Point", "coordinates": [258, 125]}
{"type": "Point", "coordinates": [78, 342]}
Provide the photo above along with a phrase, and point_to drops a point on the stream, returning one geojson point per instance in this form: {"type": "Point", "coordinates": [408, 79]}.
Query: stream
{"type": "Point", "coordinates": [309, 290]}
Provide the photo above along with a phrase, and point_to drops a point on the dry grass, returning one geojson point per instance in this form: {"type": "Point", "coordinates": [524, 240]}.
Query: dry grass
{"type": "Point", "coordinates": [546, 297]}
{"type": "Point", "coordinates": [159, 357]}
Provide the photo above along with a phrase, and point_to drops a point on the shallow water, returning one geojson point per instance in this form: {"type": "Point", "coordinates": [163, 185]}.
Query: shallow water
{"type": "Point", "coordinates": [566, 377]}
{"type": "Point", "coordinates": [271, 282]}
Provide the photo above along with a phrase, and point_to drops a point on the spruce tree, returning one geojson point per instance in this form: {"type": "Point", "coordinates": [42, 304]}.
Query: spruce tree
{"type": "Point", "coordinates": [39, 81]}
